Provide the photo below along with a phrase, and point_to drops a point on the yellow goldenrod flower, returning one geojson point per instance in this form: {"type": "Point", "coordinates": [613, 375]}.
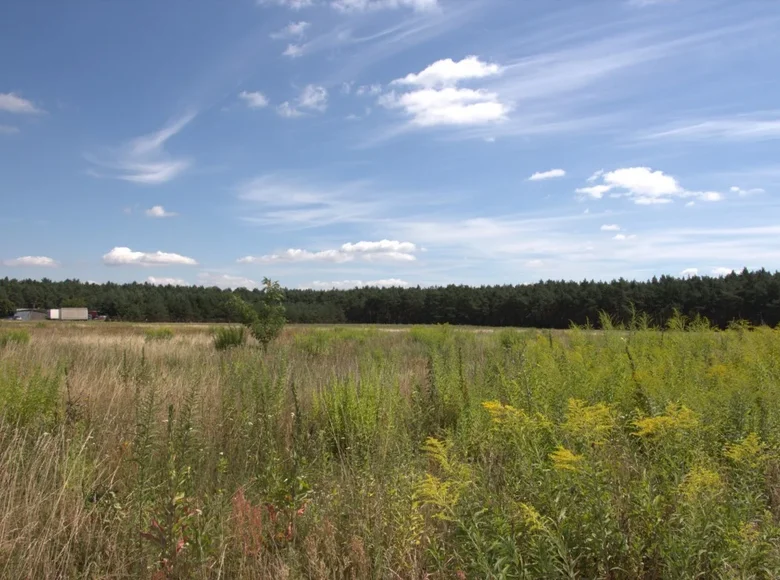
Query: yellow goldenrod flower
{"type": "Point", "coordinates": [751, 451]}
{"type": "Point", "coordinates": [565, 459]}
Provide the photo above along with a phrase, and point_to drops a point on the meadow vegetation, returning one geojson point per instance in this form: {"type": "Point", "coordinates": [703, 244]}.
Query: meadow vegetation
{"type": "Point", "coordinates": [357, 453]}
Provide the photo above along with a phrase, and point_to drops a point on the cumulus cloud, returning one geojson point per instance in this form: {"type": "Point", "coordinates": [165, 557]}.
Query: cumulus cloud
{"type": "Point", "coordinates": [373, 89]}
{"type": "Point", "coordinates": [144, 159]}
{"type": "Point", "coordinates": [448, 73]}
{"type": "Point", "coordinates": [689, 272]}
{"type": "Point", "coordinates": [437, 100]}
{"type": "Point", "coordinates": [383, 250]}
{"type": "Point", "coordinates": [253, 99]}
{"type": "Point", "coordinates": [158, 211]}
{"type": "Point", "coordinates": [623, 237]}
{"type": "Point", "coordinates": [542, 175]}
{"type": "Point", "coordinates": [348, 284]}
{"type": "Point", "coordinates": [33, 261]}
{"type": "Point", "coordinates": [225, 280]}
{"type": "Point", "coordinates": [643, 185]}
{"type": "Point", "coordinates": [292, 30]}
{"type": "Point", "coordinates": [722, 271]}
{"type": "Point", "coordinates": [121, 256]}
{"type": "Point", "coordinates": [13, 103]}
{"type": "Point", "coordinates": [166, 281]}
{"type": "Point", "coordinates": [610, 228]}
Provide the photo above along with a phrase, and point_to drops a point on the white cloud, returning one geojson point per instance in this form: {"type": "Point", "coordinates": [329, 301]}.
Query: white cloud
{"type": "Point", "coordinates": [365, 5]}
{"type": "Point", "coordinates": [13, 103]}
{"type": "Point", "coordinates": [158, 211]}
{"type": "Point", "coordinates": [293, 50]}
{"type": "Point", "coordinates": [287, 110]}
{"type": "Point", "coordinates": [746, 192]}
{"type": "Point", "coordinates": [292, 4]}
{"type": "Point", "coordinates": [535, 263]}
{"type": "Point", "coordinates": [122, 256]}
{"type": "Point", "coordinates": [721, 271]}
{"type": "Point", "coordinates": [292, 30]}
{"type": "Point", "coordinates": [8, 130]}
{"type": "Point", "coordinates": [253, 99]}
{"type": "Point", "coordinates": [542, 175]}
{"type": "Point", "coordinates": [593, 178]}
{"type": "Point", "coordinates": [383, 250]}
{"type": "Point", "coordinates": [33, 261]}
{"type": "Point", "coordinates": [225, 281]}
{"type": "Point", "coordinates": [623, 237]}
{"type": "Point", "coordinates": [448, 73]}
{"type": "Point", "coordinates": [610, 228]}
{"type": "Point", "coordinates": [312, 97]}
{"type": "Point", "coordinates": [144, 159]}
{"type": "Point", "coordinates": [166, 281]}
{"type": "Point", "coordinates": [644, 186]}
{"type": "Point", "coordinates": [348, 284]}
{"type": "Point", "coordinates": [437, 100]}
{"type": "Point", "coordinates": [373, 89]}
{"type": "Point", "coordinates": [594, 191]}
{"type": "Point", "coordinates": [689, 272]}
{"type": "Point", "coordinates": [690, 204]}
{"type": "Point", "coordinates": [449, 106]}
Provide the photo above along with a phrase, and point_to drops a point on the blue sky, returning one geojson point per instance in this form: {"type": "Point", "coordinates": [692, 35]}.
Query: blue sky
{"type": "Point", "coordinates": [333, 143]}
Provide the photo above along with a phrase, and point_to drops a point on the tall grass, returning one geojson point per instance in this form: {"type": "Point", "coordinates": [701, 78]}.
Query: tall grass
{"type": "Point", "coordinates": [429, 453]}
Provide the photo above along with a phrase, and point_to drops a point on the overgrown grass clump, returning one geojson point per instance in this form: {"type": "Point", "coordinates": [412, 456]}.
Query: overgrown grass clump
{"type": "Point", "coordinates": [436, 452]}
{"type": "Point", "coordinates": [226, 337]}
{"type": "Point", "coordinates": [153, 334]}
{"type": "Point", "coordinates": [17, 336]}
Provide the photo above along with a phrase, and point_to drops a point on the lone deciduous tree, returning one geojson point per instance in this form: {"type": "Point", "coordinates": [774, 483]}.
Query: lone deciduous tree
{"type": "Point", "coordinates": [267, 319]}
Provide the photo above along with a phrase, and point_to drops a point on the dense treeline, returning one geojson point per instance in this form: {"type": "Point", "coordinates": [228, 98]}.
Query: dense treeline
{"type": "Point", "coordinates": [752, 296]}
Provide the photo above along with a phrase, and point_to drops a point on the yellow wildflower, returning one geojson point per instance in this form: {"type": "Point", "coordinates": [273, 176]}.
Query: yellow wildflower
{"type": "Point", "coordinates": [676, 418]}
{"type": "Point", "coordinates": [751, 451]}
{"type": "Point", "coordinates": [507, 414]}
{"type": "Point", "coordinates": [565, 459]}
{"type": "Point", "coordinates": [701, 483]}
{"type": "Point", "coordinates": [531, 517]}
{"type": "Point", "coordinates": [590, 422]}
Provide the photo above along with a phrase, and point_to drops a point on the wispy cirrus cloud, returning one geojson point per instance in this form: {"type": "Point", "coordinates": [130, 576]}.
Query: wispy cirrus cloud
{"type": "Point", "coordinates": [123, 256]}
{"type": "Point", "coordinates": [144, 159]}
{"type": "Point", "coordinates": [291, 203]}
{"type": "Point", "coordinates": [369, 5]}
{"type": "Point", "coordinates": [381, 251]}
{"type": "Point", "coordinates": [292, 30]}
{"type": "Point", "coordinates": [763, 126]}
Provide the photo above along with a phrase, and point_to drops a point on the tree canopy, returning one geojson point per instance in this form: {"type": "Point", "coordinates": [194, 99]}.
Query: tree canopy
{"type": "Point", "coordinates": [753, 296]}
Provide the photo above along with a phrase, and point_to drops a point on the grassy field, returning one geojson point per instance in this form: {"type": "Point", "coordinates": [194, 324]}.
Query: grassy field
{"type": "Point", "coordinates": [127, 451]}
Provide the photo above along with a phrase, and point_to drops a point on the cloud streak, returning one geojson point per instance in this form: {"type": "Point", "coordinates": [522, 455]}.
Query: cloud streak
{"type": "Point", "coordinates": [123, 256]}
{"type": "Point", "coordinates": [381, 251]}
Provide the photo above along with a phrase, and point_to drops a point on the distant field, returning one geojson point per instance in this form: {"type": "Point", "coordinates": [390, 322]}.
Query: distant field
{"type": "Point", "coordinates": [127, 451]}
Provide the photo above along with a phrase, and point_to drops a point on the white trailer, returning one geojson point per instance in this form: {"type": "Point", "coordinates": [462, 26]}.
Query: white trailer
{"type": "Point", "coordinates": [53, 314]}
{"type": "Point", "coordinates": [74, 314]}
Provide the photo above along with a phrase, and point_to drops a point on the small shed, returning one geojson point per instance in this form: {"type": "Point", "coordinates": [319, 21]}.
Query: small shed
{"type": "Point", "coordinates": [28, 314]}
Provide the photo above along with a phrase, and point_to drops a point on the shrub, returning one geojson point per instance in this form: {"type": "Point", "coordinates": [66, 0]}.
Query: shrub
{"type": "Point", "coordinates": [226, 337]}
{"type": "Point", "coordinates": [158, 334]}
{"type": "Point", "coordinates": [14, 337]}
